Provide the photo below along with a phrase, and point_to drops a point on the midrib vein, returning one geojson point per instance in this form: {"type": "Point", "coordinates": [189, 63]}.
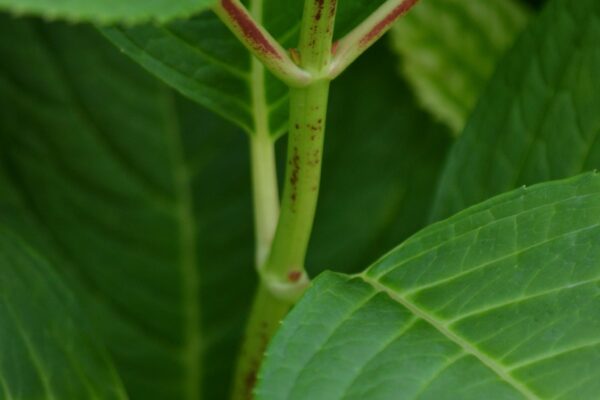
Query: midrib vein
{"type": "Point", "coordinates": [497, 368]}
{"type": "Point", "coordinates": [190, 278]}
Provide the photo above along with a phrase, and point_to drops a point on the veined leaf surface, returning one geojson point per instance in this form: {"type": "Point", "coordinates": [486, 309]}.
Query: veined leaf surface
{"type": "Point", "coordinates": [498, 302]}
{"type": "Point", "coordinates": [47, 350]}
{"type": "Point", "coordinates": [106, 11]}
{"type": "Point", "coordinates": [449, 49]}
{"type": "Point", "coordinates": [538, 119]}
{"type": "Point", "coordinates": [204, 61]}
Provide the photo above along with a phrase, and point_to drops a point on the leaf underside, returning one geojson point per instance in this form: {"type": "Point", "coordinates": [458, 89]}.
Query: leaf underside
{"type": "Point", "coordinates": [498, 302]}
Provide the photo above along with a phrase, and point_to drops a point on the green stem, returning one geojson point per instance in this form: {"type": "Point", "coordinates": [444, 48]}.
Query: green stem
{"type": "Point", "coordinates": [266, 197]}
{"type": "Point", "coordinates": [267, 312]}
{"type": "Point", "coordinates": [283, 277]}
{"type": "Point", "coordinates": [284, 272]}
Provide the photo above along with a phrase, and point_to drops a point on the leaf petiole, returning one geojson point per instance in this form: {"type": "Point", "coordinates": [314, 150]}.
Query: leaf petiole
{"type": "Point", "coordinates": [351, 46]}
{"type": "Point", "coordinates": [260, 42]}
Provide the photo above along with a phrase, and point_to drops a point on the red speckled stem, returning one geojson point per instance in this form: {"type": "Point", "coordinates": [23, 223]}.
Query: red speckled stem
{"type": "Point", "coordinates": [260, 43]}
{"type": "Point", "coordinates": [350, 47]}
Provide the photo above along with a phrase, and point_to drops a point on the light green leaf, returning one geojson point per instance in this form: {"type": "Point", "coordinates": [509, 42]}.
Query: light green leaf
{"type": "Point", "coordinates": [204, 61]}
{"type": "Point", "coordinates": [106, 11]}
{"type": "Point", "coordinates": [498, 302]}
{"type": "Point", "coordinates": [47, 350]}
{"type": "Point", "coordinates": [538, 119]}
{"type": "Point", "coordinates": [449, 49]}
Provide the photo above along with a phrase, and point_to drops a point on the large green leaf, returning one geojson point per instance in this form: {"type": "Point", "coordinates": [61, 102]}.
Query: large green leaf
{"type": "Point", "coordinates": [498, 302]}
{"type": "Point", "coordinates": [538, 119]}
{"type": "Point", "coordinates": [449, 49]}
{"type": "Point", "coordinates": [47, 350]}
{"type": "Point", "coordinates": [142, 196]}
{"type": "Point", "coordinates": [204, 61]}
{"type": "Point", "coordinates": [106, 11]}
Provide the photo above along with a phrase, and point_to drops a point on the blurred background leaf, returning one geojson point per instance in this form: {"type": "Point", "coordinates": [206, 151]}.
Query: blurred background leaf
{"type": "Point", "coordinates": [46, 342]}
{"type": "Point", "coordinates": [538, 119]}
{"type": "Point", "coordinates": [450, 48]}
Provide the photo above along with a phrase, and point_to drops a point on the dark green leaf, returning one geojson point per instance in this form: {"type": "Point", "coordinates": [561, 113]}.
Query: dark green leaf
{"type": "Point", "coordinates": [498, 302]}
{"type": "Point", "coordinates": [47, 350]}
{"type": "Point", "coordinates": [142, 196]}
{"type": "Point", "coordinates": [538, 120]}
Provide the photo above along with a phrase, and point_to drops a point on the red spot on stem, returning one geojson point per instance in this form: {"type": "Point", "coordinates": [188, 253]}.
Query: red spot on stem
{"type": "Point", "coordinates": [249, 29]}
{"type": "Point", "coordinates": [294, 276]}
{"type": "Point", "coordinates": [319, 11]}
{"type": "Point", "coordinates": [386, 22]}
{"type": "Point", "coordinates": [295, 163]}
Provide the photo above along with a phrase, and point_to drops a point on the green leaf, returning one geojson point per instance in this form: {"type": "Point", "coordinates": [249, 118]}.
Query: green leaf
{"type": "Point", "coordinates": [498, 302]}
{"type": "Point", "coordinates": [47, 350]}
{"type": "Point", "coordinates": [140, 195]}
{"type": "Point", "coordinates": [538, 119]}
{"type": "Point", "coordinates": [204, 61]}
{"type": "Point", "coordinates": [449, 49]}
{"type": "Point", "coordinates": [106, 11]}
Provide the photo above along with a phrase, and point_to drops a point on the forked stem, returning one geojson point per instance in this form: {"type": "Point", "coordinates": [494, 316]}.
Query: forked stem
{"type": "Point", "coordinates": [351, 46]}
{"type": "Point", "coordinates": [260, 43]}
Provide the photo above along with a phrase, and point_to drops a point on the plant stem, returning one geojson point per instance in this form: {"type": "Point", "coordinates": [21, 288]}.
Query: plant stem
{"type": "Point", "coordinates": [284, 272]}
{"type": "Point", "coordinates": [267, 312]}
{"type": "Point", "coordinates": [264, 174]}
{"type": "Point", "coordinates": [283, 277]}
{"type": "Point", "coordinates": [265, 193]}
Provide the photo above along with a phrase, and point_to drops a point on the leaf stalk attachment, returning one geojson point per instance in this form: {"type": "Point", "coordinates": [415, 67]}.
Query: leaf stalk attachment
{"type": "Point", "coordinates": [260, 42]}
{"type": "Point", "coordinates": [355, 43]}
